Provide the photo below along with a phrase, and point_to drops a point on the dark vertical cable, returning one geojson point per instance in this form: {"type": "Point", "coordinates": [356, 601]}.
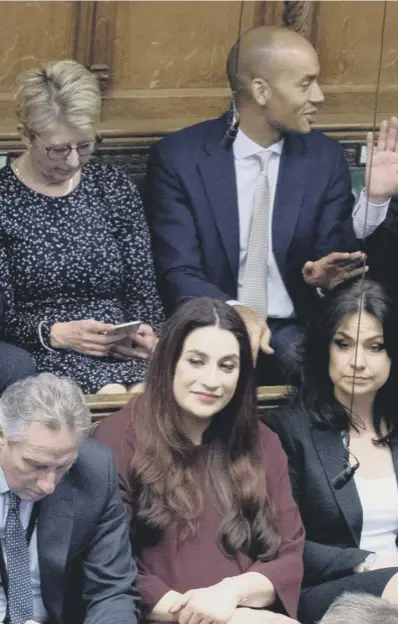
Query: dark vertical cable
{"type": "Point", "coordinates": [239, 34]}
{"type": "Point", "coordinates": [376, 105]}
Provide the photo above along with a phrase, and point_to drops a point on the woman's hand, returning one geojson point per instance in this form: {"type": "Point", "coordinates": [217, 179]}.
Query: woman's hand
{"type": "Point", "coordinates": [209, 605]}
{"type": "Point", "coordinates": [380, 563]}
{"type": "Point", "coordinates": [88, 337]}
{"type": "Point", "coordinates": [138, 343]}
{"type": "Point", "coordinates": [244, 615]}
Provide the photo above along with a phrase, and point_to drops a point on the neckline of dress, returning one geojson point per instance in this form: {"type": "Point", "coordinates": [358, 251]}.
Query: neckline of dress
{"type": "Point", "coordinates": [17, 174]}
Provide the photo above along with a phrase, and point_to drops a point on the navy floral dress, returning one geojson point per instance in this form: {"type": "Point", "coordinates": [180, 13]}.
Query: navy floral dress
{"type": "Point", "coordinates": [86, 255]}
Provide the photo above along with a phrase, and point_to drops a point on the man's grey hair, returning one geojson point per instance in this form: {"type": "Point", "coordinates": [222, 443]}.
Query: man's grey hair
{"type": "Point", "coordinates": [55, 402]}
{"type": "Point", "coordinates": [360, 608]}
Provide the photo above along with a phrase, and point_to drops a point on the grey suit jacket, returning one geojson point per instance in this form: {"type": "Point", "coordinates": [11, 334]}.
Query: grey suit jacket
{"type": "Point", "coordinates": [86, 566]}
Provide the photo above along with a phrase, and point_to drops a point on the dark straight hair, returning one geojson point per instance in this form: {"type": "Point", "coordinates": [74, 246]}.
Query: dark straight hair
{"type": "Point", "coordinates": [315, 389]}
{"type": "Point", "coordinates": [164, 470]}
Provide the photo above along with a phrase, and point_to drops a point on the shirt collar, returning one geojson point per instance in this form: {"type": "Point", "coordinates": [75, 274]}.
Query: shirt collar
{"type": "Point", "coordinates": [245, 147]}
{"type": "Point", "coordinates": [3, 483]}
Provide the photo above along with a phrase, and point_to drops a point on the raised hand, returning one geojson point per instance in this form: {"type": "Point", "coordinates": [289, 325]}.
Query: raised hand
{"type": "Point", "coordinates": [382, 163]}
{"type": "Point", "coordinates": [334, 269]}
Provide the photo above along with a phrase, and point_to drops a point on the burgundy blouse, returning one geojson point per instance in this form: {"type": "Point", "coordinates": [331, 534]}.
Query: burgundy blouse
{"type": "Point", "coordinates": [199, 561]}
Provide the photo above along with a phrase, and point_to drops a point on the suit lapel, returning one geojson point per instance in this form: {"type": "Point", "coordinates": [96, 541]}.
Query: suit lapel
{"type": "Point", "coordinates": [331, 453]}
{"type": "Point", "coordinates": [394, 453]}
{"type": "Point", "coordinates": [54, 530]}
{"type": "Point", "coordinates": [294, 170]}
{"type": "Point", "coordinates": [217, 169]}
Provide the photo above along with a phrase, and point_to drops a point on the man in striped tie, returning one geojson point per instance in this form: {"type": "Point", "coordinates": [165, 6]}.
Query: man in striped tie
{"type": "Point", "coordinates": [64, 542]}
{"type": "Point", "coordinates": [255, 208]}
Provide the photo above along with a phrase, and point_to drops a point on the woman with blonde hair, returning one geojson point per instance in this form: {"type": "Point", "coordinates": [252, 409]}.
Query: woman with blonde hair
{"type": "Point", "coordinates": [75, 256]}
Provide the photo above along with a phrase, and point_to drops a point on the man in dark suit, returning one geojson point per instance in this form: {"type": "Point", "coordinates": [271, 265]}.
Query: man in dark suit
{"type": "Point", "coordinates": [65, 554]}
{"type": "Point", "coordinates": [382, 250]}
{"type": "Point", "coordinates": [202, 189]}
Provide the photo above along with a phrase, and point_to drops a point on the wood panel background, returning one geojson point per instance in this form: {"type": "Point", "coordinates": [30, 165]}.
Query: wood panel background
{"type": "Point", "coordinates": [358, 52]}
{"type": "Point", "coordinates": [161, 64]}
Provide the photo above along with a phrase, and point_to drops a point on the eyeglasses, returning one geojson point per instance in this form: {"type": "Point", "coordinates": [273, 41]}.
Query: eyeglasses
{"type": "Point", "coordinates": [60, 152]}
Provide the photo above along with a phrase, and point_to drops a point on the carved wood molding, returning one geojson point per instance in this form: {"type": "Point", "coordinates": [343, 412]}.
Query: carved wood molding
{"type": "Point", "coordinates": [269, 13]}
{"type": "Point", "coordinates": [95, 32]}
{"type": "Point", "coordinates": [302, 17]}
{"type": "Point", "coordinates": [299, 15]}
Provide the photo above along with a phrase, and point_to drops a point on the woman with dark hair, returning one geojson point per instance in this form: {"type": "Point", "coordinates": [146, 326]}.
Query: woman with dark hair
{"type": "Point", "coordinates": [341, 438]}
{"type": "Point", "coordinates": [215, 529]}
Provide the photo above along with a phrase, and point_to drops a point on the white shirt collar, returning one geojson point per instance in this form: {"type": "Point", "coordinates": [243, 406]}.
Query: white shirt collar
{"type": "Point", "coordinates": [3, 483]}
{"type": "Point", "coordinates": [245, 147]}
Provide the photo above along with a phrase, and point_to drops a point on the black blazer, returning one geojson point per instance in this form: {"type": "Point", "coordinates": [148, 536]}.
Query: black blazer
{"type": "Point", "coordinates": [86, 567]}
{"type": "Point", "coordinates": [332, 518]}
{"type": "Point", "coordinates": [382, 250]}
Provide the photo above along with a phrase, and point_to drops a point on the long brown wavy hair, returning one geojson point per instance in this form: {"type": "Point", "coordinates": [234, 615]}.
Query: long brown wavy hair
{"type": "Point", "coordinates": [164, 470]}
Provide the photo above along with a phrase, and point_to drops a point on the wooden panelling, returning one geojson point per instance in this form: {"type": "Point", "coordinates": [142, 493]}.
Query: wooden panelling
{"type": "Point", "coordinates": [388, 97]}
{"type": "Point", "coordinates": [162, 64]}
{"type": "Point", "coordinates": [353, 38]}
{"type": "Point", "coordinates": [101, 405]}
{"type": "Point", "coordinates": [31, 33]}
{"type": "Point", "coordinates": [302, 17]}
{"type": "Point", "coordinates": [178, 71]}
{"type": "Point", "coordinates": [169, 58]}
{"type": "Point", "coordinates": [95, 38]}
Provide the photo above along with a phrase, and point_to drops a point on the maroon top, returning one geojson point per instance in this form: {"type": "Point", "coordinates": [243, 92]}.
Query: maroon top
{"type": "Point", "coordinates": [198, 561]}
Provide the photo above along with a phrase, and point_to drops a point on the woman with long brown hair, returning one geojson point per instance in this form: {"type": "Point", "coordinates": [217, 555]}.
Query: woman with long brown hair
{"type": "Point", "coordinates": [216, 532]}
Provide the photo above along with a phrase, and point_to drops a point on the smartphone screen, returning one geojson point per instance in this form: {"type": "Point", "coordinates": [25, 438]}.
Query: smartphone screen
{"type": "Point", "coordinates": [122, 327]}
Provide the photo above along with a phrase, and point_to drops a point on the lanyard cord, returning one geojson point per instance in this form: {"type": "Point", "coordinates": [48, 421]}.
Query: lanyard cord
{"type": "Point", "coordinates": [370, 157]}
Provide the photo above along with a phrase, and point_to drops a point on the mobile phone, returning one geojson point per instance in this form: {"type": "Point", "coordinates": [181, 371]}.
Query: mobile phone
{"type": "Point", "coordinates": [122, 327]}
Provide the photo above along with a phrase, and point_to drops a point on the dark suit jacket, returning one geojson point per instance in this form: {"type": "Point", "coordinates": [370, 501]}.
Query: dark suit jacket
{"type": "Point", "coordinates": [86, 567]}
{"type": "Point", "coordinates": [332, 518]}
{"type": "Point", "coordinates": [382, 250]}
{"type": "Point", "coordinates": [190, 198]}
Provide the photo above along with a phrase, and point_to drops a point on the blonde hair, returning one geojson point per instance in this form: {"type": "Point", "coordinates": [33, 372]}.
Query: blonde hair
{"type": "Point", "coordinates": [63, 91]}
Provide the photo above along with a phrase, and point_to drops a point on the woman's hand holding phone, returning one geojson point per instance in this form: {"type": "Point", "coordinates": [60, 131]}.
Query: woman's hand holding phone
{"type": "Point", "coordinates": [87, 336]}
{"type": "Point", "coordinates": [139, 342]}
{"type": "Point", "coordinates": [123, 341]}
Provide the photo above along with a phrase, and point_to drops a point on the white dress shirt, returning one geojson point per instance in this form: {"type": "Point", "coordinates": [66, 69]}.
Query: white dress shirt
{"type": "Point", "coordinates": [39, 611]}
{"type": "Point", "coordinates": [367, 218]}
{"type": "Point", "coordinates": [379, 501]}
{"type": "Point", "coordinates": [247, 168]}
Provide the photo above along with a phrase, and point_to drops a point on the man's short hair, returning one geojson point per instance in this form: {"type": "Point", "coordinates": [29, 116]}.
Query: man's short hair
{"type": "Point", "coordinates": [360, 608]}
{"type": "Point", "coordinates": [55, 402]}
